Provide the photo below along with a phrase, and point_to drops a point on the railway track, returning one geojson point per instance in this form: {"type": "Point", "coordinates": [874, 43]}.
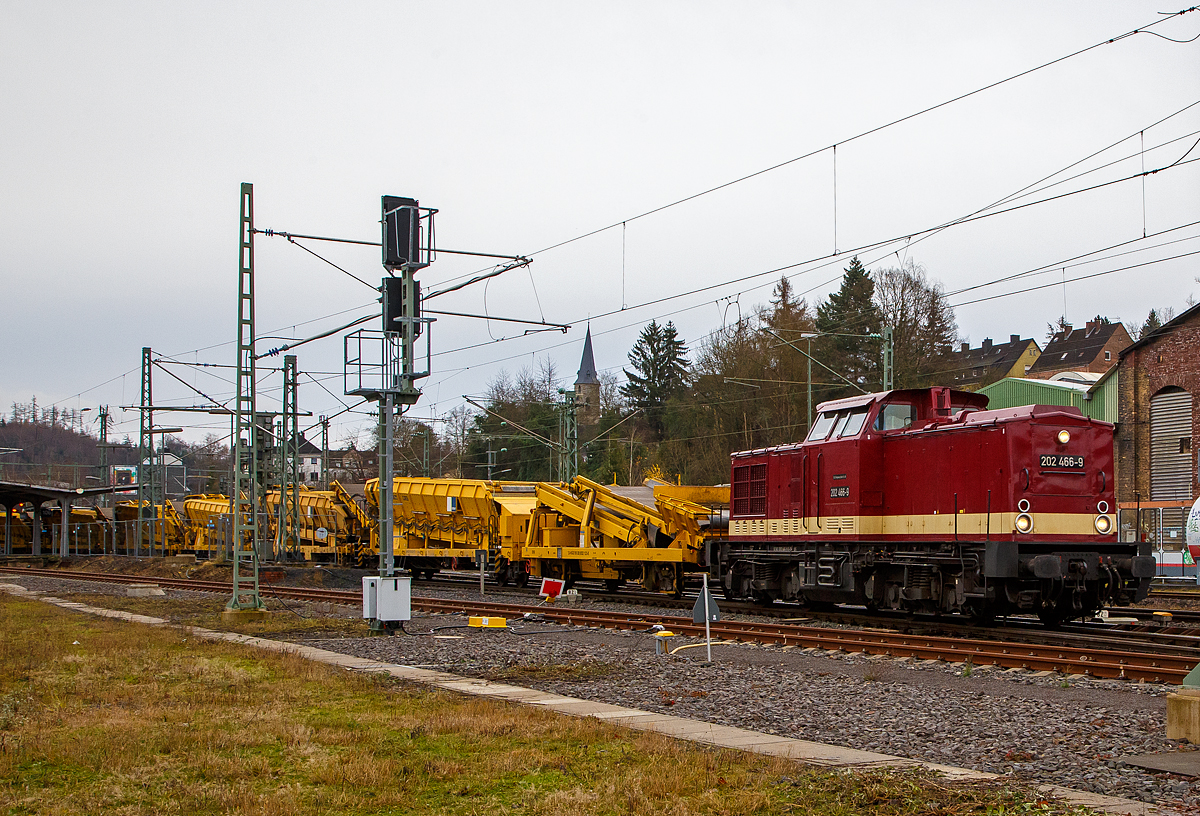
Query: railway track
{"type": "Point", "coordinates": [1150, 662]}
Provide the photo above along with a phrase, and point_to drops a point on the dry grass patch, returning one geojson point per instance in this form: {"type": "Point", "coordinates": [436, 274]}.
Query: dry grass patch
{"type": "Point", "coordinates": [106, 717]}
{"type": "Point", "coordinates": [298, 621]}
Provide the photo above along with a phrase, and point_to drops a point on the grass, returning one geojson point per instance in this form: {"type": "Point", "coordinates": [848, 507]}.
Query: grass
{"type": "Point", "coordinates": [107, 717]}
{"type": "Point", "coordinates": [297, 620]}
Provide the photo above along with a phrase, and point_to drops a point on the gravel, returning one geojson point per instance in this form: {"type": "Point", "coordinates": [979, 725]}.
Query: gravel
{"type": "Point", "coordinates": [1035, 727]}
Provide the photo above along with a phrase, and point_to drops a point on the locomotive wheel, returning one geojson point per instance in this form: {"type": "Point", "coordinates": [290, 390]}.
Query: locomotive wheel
{"type": "Point", "coordinates": [503, 573]}
{"type": "Point", "coordinates": [982, 615]}
{"type": "Point", "coordinates": [1050, 616]}
{"type": "Point", "coordinates": [612, 584]}
{"type": "Point", "coordinates": [522, 578]}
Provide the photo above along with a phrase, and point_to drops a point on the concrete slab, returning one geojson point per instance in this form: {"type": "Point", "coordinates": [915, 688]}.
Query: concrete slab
{"type": "Point", "coordinates": [620, 714]}
{"type": "Point", "coordinates": [1101, 803]}
{"type": "Point", "coordinates": [143, 590]}
{"type": "Point", "coordinates": [1184, 763]}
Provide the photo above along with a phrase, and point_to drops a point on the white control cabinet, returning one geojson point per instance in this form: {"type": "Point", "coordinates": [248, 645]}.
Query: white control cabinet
{"type": "Point", "coordinates": [387, 599]}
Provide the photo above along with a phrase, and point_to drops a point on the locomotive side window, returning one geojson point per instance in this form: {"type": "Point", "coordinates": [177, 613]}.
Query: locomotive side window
{"type": "Point", "coordinates": [820, 428]}
{"type": "Point", "coordinates": [895, 416]}
{"type": "Point", "coordinates": [854, 423]}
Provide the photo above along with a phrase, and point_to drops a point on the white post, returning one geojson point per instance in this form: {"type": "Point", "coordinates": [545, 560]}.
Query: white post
{"type": "Point", "coordinates": [707, 631]}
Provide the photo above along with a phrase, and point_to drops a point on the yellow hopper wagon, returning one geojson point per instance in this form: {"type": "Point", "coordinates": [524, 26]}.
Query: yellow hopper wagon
{"type": "Point", "coordinates": [330, 525]}
{"type": "Point", "coordinates": [163, 531]}
{"type": "Point", "coordinates": [210, 525]}
{"type": "Point", "coordinates": [651, 536]}
{"type": "Point", "coordinates": [448, 523]}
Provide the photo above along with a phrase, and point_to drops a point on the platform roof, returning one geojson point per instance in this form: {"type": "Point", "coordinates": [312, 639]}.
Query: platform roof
{"type": "Point", "coordinates": [14, 493]}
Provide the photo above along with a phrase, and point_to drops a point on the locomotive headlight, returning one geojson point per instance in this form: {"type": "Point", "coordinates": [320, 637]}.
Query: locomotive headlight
{"type": "Point", "coordinates": [1064, 436]}
{"type": "Point", "coordinates": [1024, 523]}
{"type": "Point", "coordinates": [1103, 525]}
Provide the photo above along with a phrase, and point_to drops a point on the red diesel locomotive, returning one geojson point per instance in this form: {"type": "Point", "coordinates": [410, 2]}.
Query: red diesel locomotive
{"type": "Point", "coordinates": [923, 501]}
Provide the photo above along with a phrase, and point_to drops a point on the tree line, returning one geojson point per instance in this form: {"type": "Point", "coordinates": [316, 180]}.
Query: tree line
{"type": "Point", "coordinates": [750, 383]}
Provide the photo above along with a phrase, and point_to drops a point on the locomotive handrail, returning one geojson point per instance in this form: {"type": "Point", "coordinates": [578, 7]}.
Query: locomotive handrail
{"type": "Point", "coordinates": [820, 456]}
{"type": "Point", "coordinates": [804, 493]}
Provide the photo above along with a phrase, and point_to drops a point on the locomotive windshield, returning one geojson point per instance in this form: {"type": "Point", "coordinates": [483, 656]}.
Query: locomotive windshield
{"type": "Point", "coordinates": [854, 423]}
{"type": "Point", "coordinates": [820, 428]}
{"type": "Point", "coordinates": [843, 423]}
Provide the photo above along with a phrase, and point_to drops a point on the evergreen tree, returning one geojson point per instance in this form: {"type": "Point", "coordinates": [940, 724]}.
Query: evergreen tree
{"type": "Point", "coordinates": [851, 311]}
{"type": "Point", "coordinates": [1153, 321]}
{"type": "Point", "coordinates": [659, 359]}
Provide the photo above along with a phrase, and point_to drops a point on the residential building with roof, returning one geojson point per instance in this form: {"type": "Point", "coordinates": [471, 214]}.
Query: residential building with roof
{"type": "Point", "coordinates": [310, 461]}
{"type": "Point", "coordinates": [969, 369]}
{"type": "Point", "coordinates": [1094, 348]}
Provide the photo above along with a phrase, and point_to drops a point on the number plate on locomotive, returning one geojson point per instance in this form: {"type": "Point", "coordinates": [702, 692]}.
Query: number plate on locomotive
{"type": "Point", "coordinates": [1062, 461]}
{"type": "Point", "coordinates": [842, 492]}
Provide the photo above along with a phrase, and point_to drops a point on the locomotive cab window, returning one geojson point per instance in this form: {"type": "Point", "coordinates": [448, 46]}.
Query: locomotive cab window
{"type": "Point", "coordinates": [854, 423]}
{"type": "Point", "coordinates": [896, 416]}
{"type": "Point", "coordinates": [820, 428]}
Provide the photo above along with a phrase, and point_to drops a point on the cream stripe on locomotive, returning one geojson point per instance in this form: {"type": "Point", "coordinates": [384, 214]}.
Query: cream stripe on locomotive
{"type": "Point", "coordinates": [941, 524]}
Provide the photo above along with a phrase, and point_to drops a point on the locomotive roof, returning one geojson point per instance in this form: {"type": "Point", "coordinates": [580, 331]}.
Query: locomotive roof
{"type": "Point", "coordinates": [963, 419]}
{"type": "Point", "coordinates": [879, 396]}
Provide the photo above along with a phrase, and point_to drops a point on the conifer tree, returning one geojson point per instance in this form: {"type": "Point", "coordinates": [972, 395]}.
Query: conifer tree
{"type": "Point", "coordinates": [851, 311]}
{"type": "Point", "coordinates": [660, 363]}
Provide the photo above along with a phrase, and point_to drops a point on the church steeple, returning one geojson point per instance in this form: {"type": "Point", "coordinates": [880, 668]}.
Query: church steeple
{"type": "Point", "coordinates": [587, 365]}
{"type": "Point", "coordinates": [587, 386]}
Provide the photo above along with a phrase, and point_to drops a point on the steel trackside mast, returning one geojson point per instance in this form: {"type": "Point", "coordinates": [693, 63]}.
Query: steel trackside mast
{"type": "Point", "coordinates": [245, 501]}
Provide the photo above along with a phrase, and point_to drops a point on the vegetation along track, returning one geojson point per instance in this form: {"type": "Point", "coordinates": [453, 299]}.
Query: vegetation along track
{"type": "Point", "coordinates": [1153, 664]}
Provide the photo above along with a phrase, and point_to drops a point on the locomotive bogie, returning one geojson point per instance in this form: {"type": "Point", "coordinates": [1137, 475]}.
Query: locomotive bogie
{"type": "Point", "coordinates": [930, 503]}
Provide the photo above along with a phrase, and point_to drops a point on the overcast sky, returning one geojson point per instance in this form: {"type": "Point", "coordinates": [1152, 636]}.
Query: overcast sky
{"type": "Point", "coordinates": [126, 129]}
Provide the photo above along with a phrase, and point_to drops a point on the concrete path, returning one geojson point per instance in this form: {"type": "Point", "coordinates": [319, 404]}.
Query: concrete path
{"type": "Point", "coordinates": [809, 753]}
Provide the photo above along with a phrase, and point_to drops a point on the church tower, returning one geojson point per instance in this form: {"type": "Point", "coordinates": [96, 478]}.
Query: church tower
{"type": "Point", "coordinates": [587, 387]}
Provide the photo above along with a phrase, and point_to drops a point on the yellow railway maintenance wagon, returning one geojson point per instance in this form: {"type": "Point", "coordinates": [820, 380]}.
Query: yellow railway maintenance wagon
{"type": "Point", "coordinates": [331, 525]}
{"type": "Point", "coordinates": [649, 535]}
{"type": "Point", "coordinates": [163, 531]}
{"type": "Point", "coordinates": [447, 523]}
{"type": "Point", "coordinates": [209, 524]}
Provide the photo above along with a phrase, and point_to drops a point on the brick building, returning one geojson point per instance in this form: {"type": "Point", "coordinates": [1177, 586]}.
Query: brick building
{"type": "Point", "coordinates": [1159, 410]}
{"type": "Point", "coordinates": [1094, 348]}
